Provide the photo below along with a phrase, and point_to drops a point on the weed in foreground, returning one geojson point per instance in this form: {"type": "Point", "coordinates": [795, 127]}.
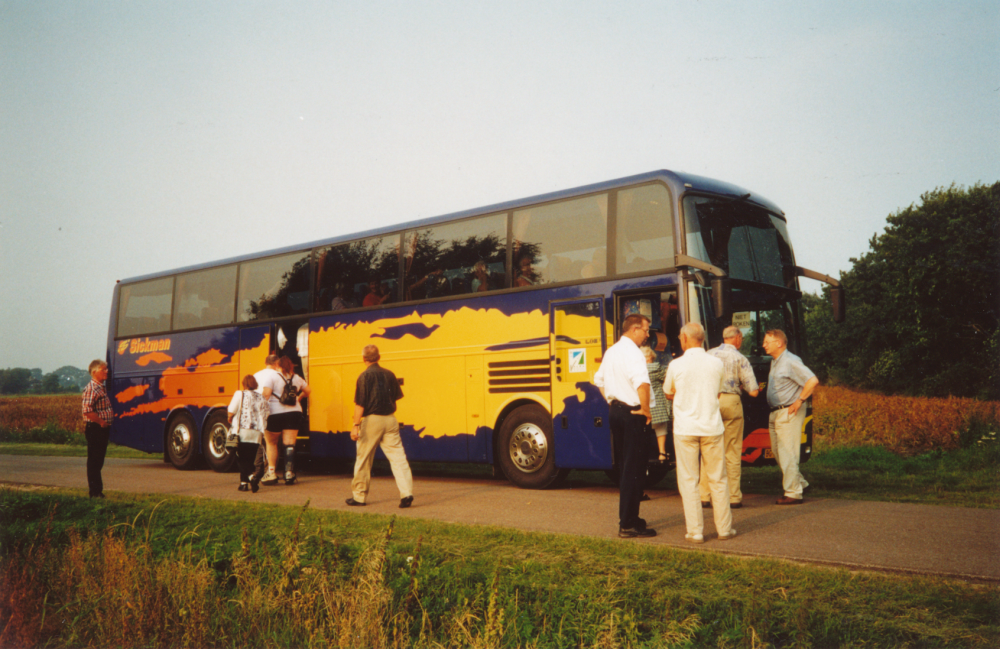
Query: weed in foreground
{"type": "Point", "coordinates": [327, 579]}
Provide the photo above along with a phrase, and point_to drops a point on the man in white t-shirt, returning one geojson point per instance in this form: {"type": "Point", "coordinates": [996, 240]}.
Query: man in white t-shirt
{"type": "Point", "coordinates": [624, 384]}
{"type": "Point", "coordinates": [694, 382]}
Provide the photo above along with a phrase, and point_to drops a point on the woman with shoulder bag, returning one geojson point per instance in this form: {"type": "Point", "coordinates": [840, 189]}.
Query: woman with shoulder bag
{"type": "Point", "coordinates": [249, 410]}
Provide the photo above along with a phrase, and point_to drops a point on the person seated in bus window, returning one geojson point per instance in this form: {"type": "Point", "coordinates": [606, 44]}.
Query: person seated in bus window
{"type": "Point", "coordinates": [434, 283]}
{"type": "Point", "coordinates": [525, 272]}
{"type": "Point", "coordinates": [480, 277]}
{"type": "Point", "coordinates": [376, 295]}
{"type": "Point", "coordinates": [387, 291]}
{"type": "Point", "coordinates": [341, 299]}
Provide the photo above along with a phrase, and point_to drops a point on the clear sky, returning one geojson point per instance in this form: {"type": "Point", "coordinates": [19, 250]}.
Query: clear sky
{"type": "Point", "coordinates": [141, 136]}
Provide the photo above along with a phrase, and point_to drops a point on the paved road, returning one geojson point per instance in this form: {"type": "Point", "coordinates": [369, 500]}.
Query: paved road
{"type": "Point", "coordinates": [921, 539]}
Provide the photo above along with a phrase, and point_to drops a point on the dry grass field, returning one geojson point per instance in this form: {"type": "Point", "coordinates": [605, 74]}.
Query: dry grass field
{"type": "Point", "coordinates": [904, 425]}
{"type": "Point", "coordinates": [22, 413]}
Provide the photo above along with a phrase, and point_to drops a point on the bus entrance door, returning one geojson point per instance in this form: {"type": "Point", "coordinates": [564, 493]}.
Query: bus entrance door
{"type": "Point", "coordinates": [580, 426]}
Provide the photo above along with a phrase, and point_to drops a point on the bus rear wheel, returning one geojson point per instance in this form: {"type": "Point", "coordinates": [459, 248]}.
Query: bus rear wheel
{"type": "Point", "coordinates": [527, 455]}
{"type": "Point", "coordinates": [219, 458]}
{"type": "Point", "coordinates": [181, 436]}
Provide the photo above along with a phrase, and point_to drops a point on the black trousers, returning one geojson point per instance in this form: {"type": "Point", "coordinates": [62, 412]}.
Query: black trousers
{"type": "Point", "coordinates": [97, 447]}
{"type": "Point", "coordinates": [634, 434]}
{"type": "Point", "coordinates": [246, 456]}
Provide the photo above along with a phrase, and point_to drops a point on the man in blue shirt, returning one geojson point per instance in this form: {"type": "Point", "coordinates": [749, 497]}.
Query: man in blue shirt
{"type": "Point", "coordinates": [789, 384]}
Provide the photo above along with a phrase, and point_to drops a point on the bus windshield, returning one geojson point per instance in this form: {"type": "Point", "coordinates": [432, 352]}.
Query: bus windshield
{"type": "Point", "coordinates": [742, 239]}
{"type": "Point", "coordinates": [756, 312]}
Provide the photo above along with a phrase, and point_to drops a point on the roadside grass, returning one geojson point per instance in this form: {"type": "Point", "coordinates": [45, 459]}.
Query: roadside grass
{"type": "Point", "coordinates": [66, 450]}
{"type": "Point", "coordinates": [163, 572]}
{"type": "Point", "coordinates": [965, 477]}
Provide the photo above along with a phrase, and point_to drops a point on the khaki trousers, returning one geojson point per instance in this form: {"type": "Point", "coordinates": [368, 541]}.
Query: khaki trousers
{"type": "Point", "coordinates": [380, 431]}
{"type": "Point", "coordinates": [786, 443]}
{"type": "Point", "coordinates": [732, 441]}
{"type": "Point", "coordinates": [688, 448]}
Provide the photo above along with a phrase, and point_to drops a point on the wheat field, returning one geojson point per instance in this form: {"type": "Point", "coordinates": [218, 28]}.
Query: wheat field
{"type": "Point", "coordinates": [22, 413]}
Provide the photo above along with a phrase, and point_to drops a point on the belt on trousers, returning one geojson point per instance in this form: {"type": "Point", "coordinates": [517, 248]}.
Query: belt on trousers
{"type": "Point", "coordinates": [776, 409]}
{"type": "Point", "coordinates": [622, 404]}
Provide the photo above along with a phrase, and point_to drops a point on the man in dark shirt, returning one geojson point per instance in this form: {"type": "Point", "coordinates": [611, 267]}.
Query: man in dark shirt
{"type": "Point", "coordinates": [375, 426]}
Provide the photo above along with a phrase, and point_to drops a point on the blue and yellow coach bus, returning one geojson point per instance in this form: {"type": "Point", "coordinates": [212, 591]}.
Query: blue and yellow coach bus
{"type": "Point", "coordinates": [494, 320]}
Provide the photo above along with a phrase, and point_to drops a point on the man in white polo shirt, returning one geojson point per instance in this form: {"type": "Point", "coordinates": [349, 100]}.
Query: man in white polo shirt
{"type": "Point", "coordinates": [624, 383]}
{"type": "Point", "coordinates": [694, 382]}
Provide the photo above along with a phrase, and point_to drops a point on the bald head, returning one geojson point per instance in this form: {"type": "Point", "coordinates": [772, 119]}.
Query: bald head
{"type": "Point", "coordinates": [692, 335]}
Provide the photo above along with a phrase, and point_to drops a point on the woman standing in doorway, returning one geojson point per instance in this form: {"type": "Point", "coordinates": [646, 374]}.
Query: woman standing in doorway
{"type": "Point", "coordinates": [287, 391]}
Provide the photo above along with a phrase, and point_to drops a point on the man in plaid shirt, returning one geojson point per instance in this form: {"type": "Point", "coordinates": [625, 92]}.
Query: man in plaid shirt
{"type": "Point", "coordinates": [739, 375]}
{"type": "Point", "coordinates": [98, 415]}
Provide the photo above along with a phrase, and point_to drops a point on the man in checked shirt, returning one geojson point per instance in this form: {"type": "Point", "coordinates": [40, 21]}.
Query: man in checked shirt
{"type": "Point", "coordinates": [98, 415]}
{"type": "Point", "coordinates": [739, 375]}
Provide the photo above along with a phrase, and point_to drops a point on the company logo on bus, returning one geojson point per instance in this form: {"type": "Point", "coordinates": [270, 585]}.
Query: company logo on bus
{"type": "Point", "coordinates": [137, 346]}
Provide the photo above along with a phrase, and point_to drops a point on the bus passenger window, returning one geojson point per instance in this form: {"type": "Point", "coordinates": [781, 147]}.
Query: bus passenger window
{"type": "Point", "coordinates": [274, 287]}
{"type": "Point", "coordinates": [456, 258]}
{"type": "Point", "coordinates": [561, 242]}
{"type": "Point", "coordinates": [205, 298]}
{"type": "Point", "coordinates": [644, 229]}
{"type": "Point", "coordinates": [361, 273]}
{"type": "Point", "coordinates": [144, 308]}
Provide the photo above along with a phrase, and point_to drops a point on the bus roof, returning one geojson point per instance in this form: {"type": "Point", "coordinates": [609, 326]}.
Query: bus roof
{"type": "Point", "coordinates": [679, 182]}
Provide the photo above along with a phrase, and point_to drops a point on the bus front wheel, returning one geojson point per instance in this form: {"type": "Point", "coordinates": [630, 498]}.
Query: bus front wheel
{"type": "Point", "coordinates": [181, 436]}
{"type": "Point", "coordinates": [527, 455]}
{"type": "Point", "coordinates": [219, 458]}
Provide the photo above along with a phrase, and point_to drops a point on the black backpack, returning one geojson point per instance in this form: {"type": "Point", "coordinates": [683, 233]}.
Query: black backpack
{"type": "Point", "coordinates": [290, 395]}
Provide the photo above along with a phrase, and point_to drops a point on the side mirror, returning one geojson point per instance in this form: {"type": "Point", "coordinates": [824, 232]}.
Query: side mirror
{"type": "Point", "coordinates": [720, 297]}
{"type": "Point", "coordinates": [838, 300]}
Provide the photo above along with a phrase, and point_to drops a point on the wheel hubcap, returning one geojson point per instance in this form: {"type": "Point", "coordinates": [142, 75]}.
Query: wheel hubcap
{"type": "Point", "coordinates": [528, 448]}
{"type": "Point", "coordinates": [217, 441]}
{"type": "Point", "coordinates": [180, 440]}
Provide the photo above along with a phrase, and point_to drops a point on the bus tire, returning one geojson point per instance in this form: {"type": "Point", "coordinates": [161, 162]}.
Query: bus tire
{"type": "Point", "coordinates": [527, 454]}
{"type": "Point", "coordinates": [181, 440]}
{"type": "Point", "coordinates": [219, 458]}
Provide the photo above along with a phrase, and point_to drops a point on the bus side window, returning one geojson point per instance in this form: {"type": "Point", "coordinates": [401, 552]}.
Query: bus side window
{"type": "Point", "coordinates": [274, 287]}
{"type": "Point", "coordinates": [556, 242]}
{"type": "Point", "coordinates": [361, 273]}
{"type": "Point", "coordinates": [442, 260]}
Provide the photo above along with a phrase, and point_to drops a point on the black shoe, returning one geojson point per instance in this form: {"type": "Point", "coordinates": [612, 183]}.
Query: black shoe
{"type": "Point", "coordinates": [644, 498]}
{"type": "Point", "coordinates": [243, 487]}
{"type": "Point", "coordinates": [405, 502]}
{"type": "Point", "coordinates": [635, 532]}
{"type": "Point", "coordinates": [290, 481]}
{"type": "Point", "coordinates": [254, 486]}
{"type": "Point", "coordinates": [706, 504]}
{"type": "Point", "coordinates": [354, 503]}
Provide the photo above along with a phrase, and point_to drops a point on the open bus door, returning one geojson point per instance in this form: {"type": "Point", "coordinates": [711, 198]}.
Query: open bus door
{"type": "Point", "coordinates": [580, 425]}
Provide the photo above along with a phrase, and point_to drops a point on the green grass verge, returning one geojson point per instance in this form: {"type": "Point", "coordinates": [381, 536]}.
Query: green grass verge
{"type": "Point", "coordinates": [65, 450]}
{"type": "Point", "coordinates": [967, 477]}
{"type": "Point", "coordinates": [176, 571]}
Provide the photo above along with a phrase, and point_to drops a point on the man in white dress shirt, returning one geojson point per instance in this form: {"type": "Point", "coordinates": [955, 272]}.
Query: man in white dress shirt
{"type": "Point", "coordinates": [694, 382]}
{"type": "Point", "coordinates": [624, 383]}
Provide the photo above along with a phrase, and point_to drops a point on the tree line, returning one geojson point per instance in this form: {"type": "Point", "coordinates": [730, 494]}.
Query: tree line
{"type": "Point", "coordinates": [20, 380]}
{"type": "Point", "coordinates": [923, 302]}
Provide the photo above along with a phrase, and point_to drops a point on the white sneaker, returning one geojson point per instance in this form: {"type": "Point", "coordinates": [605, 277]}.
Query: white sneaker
{"type": "Point", "coordinates": [695, 538]}
{"type": "Point", "coordinates": [732, 533]}
{"type": "Point", "coordinates": [269, 478]}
